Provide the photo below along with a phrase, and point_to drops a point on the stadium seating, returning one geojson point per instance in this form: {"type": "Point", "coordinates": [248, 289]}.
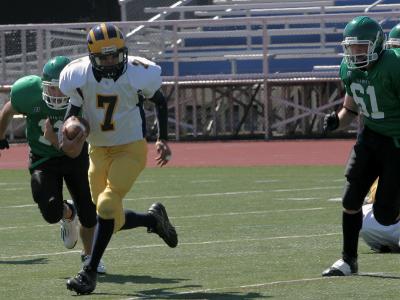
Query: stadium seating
{"type": "Point", "coordinates": [303, 46]}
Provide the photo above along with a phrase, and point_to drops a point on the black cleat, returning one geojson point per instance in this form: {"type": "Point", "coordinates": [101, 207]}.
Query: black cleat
{"type": "Point", "coordinates": [342, 268]}
{"type": "Point", "coordinates": [84, 282]}
{"type": "Point", "coordinates": [163, 227]}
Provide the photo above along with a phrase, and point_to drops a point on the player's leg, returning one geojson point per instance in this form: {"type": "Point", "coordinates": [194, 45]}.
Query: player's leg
{"type": "Point", "coordinates": [85, 281]}
{"type": "Point", "coordinates": [76, 179]}
{"type": "Point", "coordinates": [387, 200]}
{"type": "Point", "coordinates": [122, 165]}
{"type": "Point", "coordinates": [46, 186]}
{"type": "Point", "coordinates": [361, 171]}
{"type": "Point", "coordinates": [156, 219]}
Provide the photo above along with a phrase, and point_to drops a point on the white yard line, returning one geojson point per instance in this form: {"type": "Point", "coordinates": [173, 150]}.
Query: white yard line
{"type": "Point", "coordinates": [205, 181]}
{"type": "Point", "coordinates": [248, 213]}
{"type": "Point", "coordinates": [193, 216]}
{"type": "Point", "coordinates": [180, 244]}
{"type": "Point", "coordinates": [207, 195]}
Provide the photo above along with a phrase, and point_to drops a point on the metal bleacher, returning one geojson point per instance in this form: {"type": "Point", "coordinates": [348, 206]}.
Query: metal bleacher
{"type": "Point", "coordinates": [295, 45]}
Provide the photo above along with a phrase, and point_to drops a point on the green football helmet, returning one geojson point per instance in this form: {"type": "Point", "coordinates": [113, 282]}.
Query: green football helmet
{"type": "Point", "coordinates": [50, 77]}
{"type": "Point", "coordinates": [363, 42]}
{"type": "Point", "coordinates": [394, 38]}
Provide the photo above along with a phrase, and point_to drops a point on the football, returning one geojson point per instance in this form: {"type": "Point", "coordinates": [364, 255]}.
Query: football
{"type": "Point", "coordinates": [73, 125]}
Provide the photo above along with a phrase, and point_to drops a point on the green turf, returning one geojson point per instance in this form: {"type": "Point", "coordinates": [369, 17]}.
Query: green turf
{"type": "Point", "coordinates": [245, 233]}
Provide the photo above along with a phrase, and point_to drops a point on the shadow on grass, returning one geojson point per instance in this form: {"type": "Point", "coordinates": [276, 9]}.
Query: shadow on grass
{"type": "Point", "coordinates": [139, 279]}
{"type": "Point", "coordinates": [36, 261]}
{"type": "Point", "coordinates": [164, 294]}
{"type": "Point", "coordinates": [169, 292]}
{"type": "Point", "coordinates": [379, 275]}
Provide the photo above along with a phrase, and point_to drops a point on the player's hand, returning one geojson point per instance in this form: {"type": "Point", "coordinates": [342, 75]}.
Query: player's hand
{"type": "Point", "coordinates": [49, 133]}
{"type": "Point", "coordinates": [4, 144]}
{"type": "Point", "coordinates": [73, 147]}
{"type": "Point", "coordinates": [331, 122]}
{"type": "Point", "coordinates": [164, 153]}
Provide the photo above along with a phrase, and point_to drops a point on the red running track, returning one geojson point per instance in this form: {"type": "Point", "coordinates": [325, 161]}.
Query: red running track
{"type": "Point", "coordinates": [230, 153]}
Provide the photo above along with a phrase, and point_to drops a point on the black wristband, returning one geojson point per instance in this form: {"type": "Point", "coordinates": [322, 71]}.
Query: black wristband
{"type": "Point", "coordinates": [4, 144]}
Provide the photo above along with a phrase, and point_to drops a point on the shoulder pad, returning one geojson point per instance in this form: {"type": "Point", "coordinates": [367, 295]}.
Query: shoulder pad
{"type": "Point", "coordinates": [138, 61]}
{"type": "Point", "coordinates": [27, 84]}
{"type": "Point", "coordinates": [74, 75]}
{"type": "Point", "coordinates": [144, 75]}
{"type": "Point", "coordinates": [25, 91]}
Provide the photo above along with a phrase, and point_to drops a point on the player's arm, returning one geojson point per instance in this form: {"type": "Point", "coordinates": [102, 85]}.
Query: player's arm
{"type": "Point", "coordinates": [6, 116]}
{"type": "Point", "coordinates": [71, 148]}
{"type": "Point", "coordinates": [343, 118]}
{"type": "Point", "coordinates": [162, 148]}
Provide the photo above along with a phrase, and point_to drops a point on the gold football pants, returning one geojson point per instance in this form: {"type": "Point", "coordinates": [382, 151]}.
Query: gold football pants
{"type": "Point", "coordinates": [112, 172]}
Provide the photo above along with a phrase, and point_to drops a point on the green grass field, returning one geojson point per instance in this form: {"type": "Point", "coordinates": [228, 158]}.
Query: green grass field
{"type": "Point", "coordinates": [245, 233]}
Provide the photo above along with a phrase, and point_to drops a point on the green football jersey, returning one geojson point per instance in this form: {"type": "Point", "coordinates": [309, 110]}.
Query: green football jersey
{"type": "Point", "coordinates": [377, 92]}
{"type": "Point", "coordinates": [26, 99]}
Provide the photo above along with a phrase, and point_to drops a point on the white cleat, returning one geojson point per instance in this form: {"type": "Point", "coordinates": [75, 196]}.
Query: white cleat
{"type": "Point", "coordinates": [101, 268]}
{"type": "Point", "coordinates": [341, 268]}
{"type": "Point", "coordinates": [69, 228]}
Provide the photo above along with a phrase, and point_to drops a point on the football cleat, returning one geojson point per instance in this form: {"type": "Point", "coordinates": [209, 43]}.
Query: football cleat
{"type": "Point", "coordinates": [101, 268]}
{"type": "Point", "coordinates": [163, 227]}
{"type": "Point", "coordinates": [69, 228]}
{"type": "Point", "coordinates": [84, 282]}
{"type": "Point", "coordinates": [342, 268]}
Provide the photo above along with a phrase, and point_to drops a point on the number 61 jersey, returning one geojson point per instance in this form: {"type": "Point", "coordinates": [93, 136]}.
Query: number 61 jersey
{"type": "Point", "coordinates": [377, 92]}
{"type": "Point", "coordinates": [111, 106]}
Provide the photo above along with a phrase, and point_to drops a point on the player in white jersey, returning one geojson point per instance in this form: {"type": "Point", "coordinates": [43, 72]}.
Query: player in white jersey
{"type": "Point", "coordinates": [110, 89]}
{"type": "Point", "coordinates": [117, 107]}
{"type": "Point", "coordinates": [378, 237]}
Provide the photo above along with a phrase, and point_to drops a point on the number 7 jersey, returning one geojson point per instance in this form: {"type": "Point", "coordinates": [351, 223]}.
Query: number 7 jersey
{"type": "Point", "coordinates": [377, 92]}
{"type": "Point", "coordinates": [111, 107]}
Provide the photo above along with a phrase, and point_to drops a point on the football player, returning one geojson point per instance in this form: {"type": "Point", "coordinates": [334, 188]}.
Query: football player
{"type": "Point", "coordinates": [44, 106]}
{"type": "Point", "coordinates": [109, 87]}
{"type": "Point", "coordinates": [394, 38]}
{"type": "Point", "coordinates": [370, 75]}
{"type": "Point", "coordinates": [379, 238]}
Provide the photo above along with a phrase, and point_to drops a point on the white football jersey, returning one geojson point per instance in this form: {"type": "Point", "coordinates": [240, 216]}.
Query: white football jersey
{"type": "Point", "coordinates": [377, 235]}
{"type": "Point", "coordinates": [111, 106]}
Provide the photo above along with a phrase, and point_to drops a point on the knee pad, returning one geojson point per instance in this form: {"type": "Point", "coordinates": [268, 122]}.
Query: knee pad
{"type": "Point", "coordinates": [52, 210]}
{"type": "Point", "coordinates": [105, 206]}
{"type": "Point", "coordinates": [385, 215]}
{"type": "Point", "coordinates": [49, 201]}
{"type": "Point", "coordinates": [109, 206]}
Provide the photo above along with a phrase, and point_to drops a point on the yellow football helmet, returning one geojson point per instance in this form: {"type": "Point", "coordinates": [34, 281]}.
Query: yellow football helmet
{"type": "Point", "coordinates": [104, 41]}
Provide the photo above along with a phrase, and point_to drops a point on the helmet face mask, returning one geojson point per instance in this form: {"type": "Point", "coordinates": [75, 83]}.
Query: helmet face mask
{"type": "Point", "coordinates": [51, 93]}
{"type": "Point", "coordinates": [394, 38]}
{"type": "Point", "coordinates": [392, 43]}
{"type": "Point", "coordinates": [363, 42]}
{"type": "Point", "coordinates": [107, 51]}
{"type": "Point", "coordinates": [355, 58]}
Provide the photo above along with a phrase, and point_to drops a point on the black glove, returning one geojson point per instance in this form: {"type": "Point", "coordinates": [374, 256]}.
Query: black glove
{"type": "Point", "coordinates": [331, 121]}
{"type": "Point", "coordinates": [4, 144]}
